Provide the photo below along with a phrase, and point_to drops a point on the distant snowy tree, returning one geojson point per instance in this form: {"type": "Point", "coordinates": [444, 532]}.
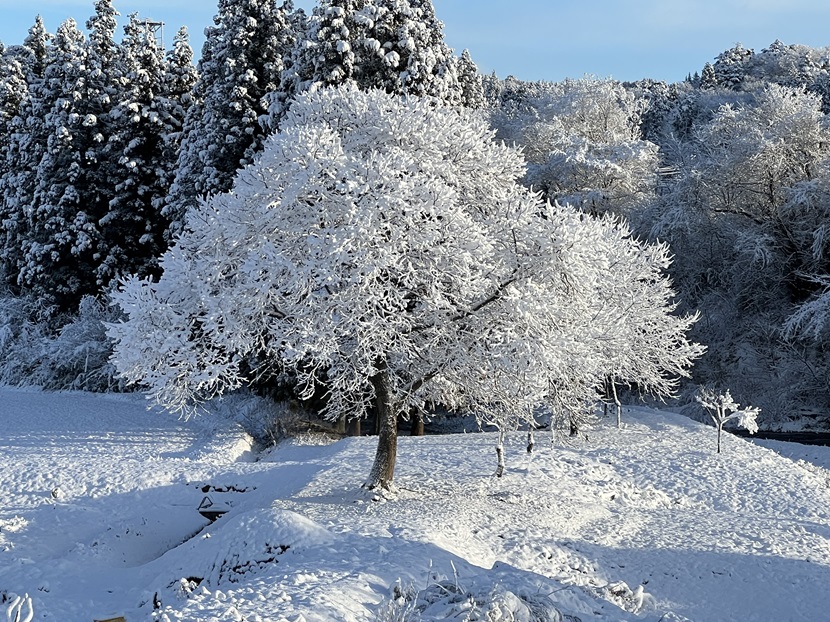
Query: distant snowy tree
{"type": "Point", "coordinates": [708, 77]}
{"type": "Point", "coordinates": [660, 99]}
{"type": "Point", "coordinates": [722, 409]}
{"type": "Point", "coordinates": [731, 66]}
{"type": "Point", "coordinates": [472, 88]}
{"type": "Point", "coordinates": [384, 247]}
{"type": "Point", "coordinates": [585, 147]}
{"type": "Point", "coordinates": [35, 46]}
{"type": "Point", "coordinates": [242, 60]}
{"type": "Point", "coordinates": [746, 216]}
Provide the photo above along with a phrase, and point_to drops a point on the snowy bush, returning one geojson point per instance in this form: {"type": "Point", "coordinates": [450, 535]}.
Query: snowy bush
{"type": "Point", "coordinates": [482, 601]}
{"type": "Point", "coordinates": [74, 356]}
{"type": "Point", "coordinates": [269, 421]}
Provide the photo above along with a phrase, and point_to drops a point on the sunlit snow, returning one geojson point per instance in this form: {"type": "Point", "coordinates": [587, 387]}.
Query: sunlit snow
{"type": "Point", "coordinates": [99, 498]}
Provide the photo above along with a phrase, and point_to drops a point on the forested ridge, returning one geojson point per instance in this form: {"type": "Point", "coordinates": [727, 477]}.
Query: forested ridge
{"type": "Point", "coordinates": [710, 196]}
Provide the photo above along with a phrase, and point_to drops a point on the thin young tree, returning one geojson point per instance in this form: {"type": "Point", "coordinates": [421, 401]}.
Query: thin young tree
{"type": "Point", "coordinates": [723, 409]}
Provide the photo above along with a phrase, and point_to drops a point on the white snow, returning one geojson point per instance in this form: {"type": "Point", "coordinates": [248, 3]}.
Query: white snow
{"type": "Point", "coordinates": [99, 498]}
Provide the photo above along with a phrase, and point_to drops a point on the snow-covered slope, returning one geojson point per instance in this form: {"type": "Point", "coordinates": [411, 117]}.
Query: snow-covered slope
{"type": "Point", "coordinates": [98, 518]}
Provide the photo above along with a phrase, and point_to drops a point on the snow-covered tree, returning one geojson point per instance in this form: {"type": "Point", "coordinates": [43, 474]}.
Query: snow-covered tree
{"type": "Point", "coordinates": [644, 345]}
{"type": "Point", "coordinates": [722, 409]}
{"type": "Point", "coordinates": [25, 141]}
{"type": "Point", "coordinates": [35, 46]}
{"type": "Point", "coordinates": [708, 77]}
{"type": "Point", "coordinates": [394, 45]}
{"type": "Point", "coordinates": [242, 60]}
{"type": "Point", "coordinates": [584, 146]}
{"type": "Point", "coordinates": [62, 228]}
{"type": "Point", "coordinates": [411, 41]}
{"type": "Point", "coordinates": [64, 246]}
{"type": "Point", "coordinates": [472, 88]}
{"type": "Point", "coordinates": [745, 215]}
{"type": "Point", "coordinates": [731, 65]}
{"type": "Point", "coordinates": [132, 230]}
{"type": "Point", "coordinates": [384, 247]}
{"type": "Point", "coordinates": [180, 78]}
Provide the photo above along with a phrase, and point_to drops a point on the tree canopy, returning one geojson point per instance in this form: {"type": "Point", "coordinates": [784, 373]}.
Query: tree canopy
{"type": "Point", "coordinates": [383, 247]}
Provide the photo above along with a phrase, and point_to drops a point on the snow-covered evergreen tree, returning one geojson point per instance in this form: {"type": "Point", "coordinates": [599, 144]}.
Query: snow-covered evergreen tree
{"type": "Point", "coordinates": [132, 230]}
{"type": "Point", "coordinates": [412, 40]}
{"type": "Point", "coordinates": [242, 60]}
{"type": "Point", "coordinates": [708, 77]}
{"type": "Point", "coordinates": [394, 45]}
{"type": "Point", "coordinates": [36, 45]}
{"type": "Point", "coordinates": [62, 226]}
{"type": "Point", "coordinates": [385, 247]}
{"type": "Point", "coordinates": [472, 87]}
{"type": "Point", "coordinates": [13, 92]}
{"type": "Point", "coordinates": [731, 66]}
{"type": "Point", "coordinates": [24, 146]}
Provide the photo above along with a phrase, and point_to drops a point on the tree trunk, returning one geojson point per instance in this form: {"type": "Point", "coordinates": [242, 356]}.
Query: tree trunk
{"type": "Point", "coordinates": [353, 427]}
{"type": "Point", "coordinates": [500, 454]}
{"type": "Point", "coordinates": [617, 404]}
{"type": "Point", "coordinates": [383, 469]}
{"type": "Point", "coordinates": [417, 425]}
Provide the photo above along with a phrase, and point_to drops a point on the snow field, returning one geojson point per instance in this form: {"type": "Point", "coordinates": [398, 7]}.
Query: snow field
{"type": "Point", "coordinates": [644, 523]}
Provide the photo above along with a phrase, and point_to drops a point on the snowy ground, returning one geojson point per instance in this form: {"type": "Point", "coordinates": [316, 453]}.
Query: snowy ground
{"type": "Point", "coordinates": [98, 518]}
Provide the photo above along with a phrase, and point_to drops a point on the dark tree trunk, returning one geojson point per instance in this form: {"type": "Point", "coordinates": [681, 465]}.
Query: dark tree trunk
{"type": "Point", "coordinates": [417, 425]}
{"type": "Point", "coordinates": [500, 454]}
{"type": "Point", "coordinates": [353, 427]}
{"type": "Point", "coordinates": [383, 469]}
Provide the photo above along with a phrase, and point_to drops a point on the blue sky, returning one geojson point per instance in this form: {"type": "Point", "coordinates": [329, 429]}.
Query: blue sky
{"type": "Point", "coordinates": [535, 39]}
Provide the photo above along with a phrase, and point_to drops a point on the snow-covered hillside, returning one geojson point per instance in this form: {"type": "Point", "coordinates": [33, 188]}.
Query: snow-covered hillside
{"type": "Point", "coordinates": [98, 518]}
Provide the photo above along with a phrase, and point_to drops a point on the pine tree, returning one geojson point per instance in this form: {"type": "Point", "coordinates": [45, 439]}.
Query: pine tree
{"type": "Point", "coordinates": [64, 246]}
{"type": "Point", "coordinates": [393, 45]}
{"type": "Point", "coordinates": [24, 147]}
{"type": "Point", "coordinates": [36, 45]}
{"type": "Point", "coordinates": [327, 53]}
{"type": "Point", "coordinates": [242, 60]}
{"type": "Point", "coordinates": [13, 94]}
{"type": "Point", "coordinates": [708, 78]}
{"type": "Point", "coordinates": [62, 232]}
{"type": "Point", "coordinates": [175, 102]}
{"type": "Point", "coordinates": [730, 66]}
{"type": "Point", "coordinates": [132, 229]}
{"type": "Point", "coordinates": [427, 65]}
{"type": "Point", "coordinates": [472, 87]}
